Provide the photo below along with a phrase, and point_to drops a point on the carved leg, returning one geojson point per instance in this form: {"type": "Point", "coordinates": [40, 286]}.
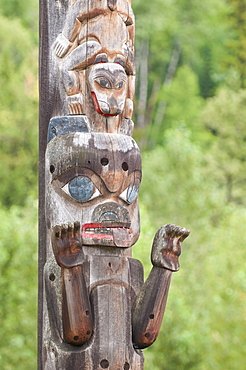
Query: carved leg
{"type": "Point", "coordinates": [77, 60]}
{"type": "Point", "coordinates": [150, 304]}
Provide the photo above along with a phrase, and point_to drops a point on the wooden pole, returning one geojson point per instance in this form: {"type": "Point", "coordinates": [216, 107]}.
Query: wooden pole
{"type": "Point", "coordinates": [95, 311]}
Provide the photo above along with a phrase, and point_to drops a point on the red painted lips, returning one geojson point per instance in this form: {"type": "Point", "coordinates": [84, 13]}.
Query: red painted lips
{"type": "Point", "coordinates": [107, 234]}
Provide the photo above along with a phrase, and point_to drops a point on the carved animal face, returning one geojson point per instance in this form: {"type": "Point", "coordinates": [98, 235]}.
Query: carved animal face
{"type": "Point", "coordinates": [94, 179]}
{"type": "Point", "coordinates": [108, 85]}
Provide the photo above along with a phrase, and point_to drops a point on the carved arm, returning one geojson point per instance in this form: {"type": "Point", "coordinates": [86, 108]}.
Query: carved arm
{"type": "Point", "coordinates": [70, 30]}
{"type": "Point", "coordinates": [149, 307]}
{"type": "Point", "coordinates": [76, 311]}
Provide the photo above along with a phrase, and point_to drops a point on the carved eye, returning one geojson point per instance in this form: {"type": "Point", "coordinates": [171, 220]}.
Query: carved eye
{"type": "Point", "coordinates": [81, 188]}
{"type": "Point", "coordinates": [120, 84]}
{"type": "Point", "coordinates": [130, 193]}
{"type": "Point", "coordinates": [104, 83]}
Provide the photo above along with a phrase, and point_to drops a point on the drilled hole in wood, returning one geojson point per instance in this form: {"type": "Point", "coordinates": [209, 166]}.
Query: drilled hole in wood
{"type": "Point", "coordinates": [151, 316]}
{"type": "Point", "coordinates": [87, 313]}
{"type": "Point", "coordinates": [147, 335]}
{"type": "Point", "coordinates": [124, 166]}
{"type": "Point", "coordinates": [52, 168]}
{"type": "Point", "coordinates": [109, 264]}
{"type": "Point", "coordinates": [104, 161]}
{"type": "Point", "coordinates": [52, 277]}
{"type": "Point", "coordinates": [89, 162]}
{"type": "Point", "coordinates": [76, 337]}
{"type": "Point", "coordinates": [104, 364]}
{"type": "Point", "coordinates": [126, 366]}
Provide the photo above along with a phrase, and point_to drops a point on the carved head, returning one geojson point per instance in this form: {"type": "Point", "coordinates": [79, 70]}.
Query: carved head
{"type": "Point", "coordinates": [94, 178]}
{"type": "Point", "coordinates": [108, 84]}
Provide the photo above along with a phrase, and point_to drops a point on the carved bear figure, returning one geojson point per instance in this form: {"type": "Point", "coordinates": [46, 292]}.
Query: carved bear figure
{"type": "Point", "coordinates": [100, 310]}
{"type": "Point", "coordinates": [89, 38]}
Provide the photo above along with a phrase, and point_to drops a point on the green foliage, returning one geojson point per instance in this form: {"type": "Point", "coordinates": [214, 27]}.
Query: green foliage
{"type": "Point", "coordinates": [177, 184]}
{"type": "Point", "coordinates": [205, 321]}
{"type": "Point", "coordinates": [26, 11]}
{"type": "Point", "coordinates": [188, 178]}
{"type": "Point", "coordinates": [18, 287]}
{"type": "Point", "coordinates": [237, 44]}
{"type": "Point", "coordinates": [182, 102]}
{"type": "Point", "coordinates": [225, 117]}
{"type": "Point", "coordinates": [18, 113]}
{"type": "Point", "coordinates": [195, 27]}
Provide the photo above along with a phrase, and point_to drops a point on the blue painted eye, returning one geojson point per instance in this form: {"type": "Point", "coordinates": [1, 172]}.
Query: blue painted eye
{"type": "Point", "coordinates": [104, 83]}
{"type": "Point", "coordinates": [81, 188]}
{"type": "Point", "coordinates": [130, 193]}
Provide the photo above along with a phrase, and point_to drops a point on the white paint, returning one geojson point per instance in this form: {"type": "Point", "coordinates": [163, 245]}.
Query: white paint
{"type": "Point", "coordinates": [81, 139]}
{"type": "Point", "coordinates": [115, 142]}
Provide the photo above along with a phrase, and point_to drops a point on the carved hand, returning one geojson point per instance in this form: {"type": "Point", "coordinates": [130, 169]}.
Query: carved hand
{"type": "Point", "coordinates": [166, 246]}
{"type": "Point", "coordinates": [66, 244]}
{"type": "Point", "coordinates": [62, 45]}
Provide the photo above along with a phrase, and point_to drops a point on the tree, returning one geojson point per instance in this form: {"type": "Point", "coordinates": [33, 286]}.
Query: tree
{"type": "Point", "coordinates": [237, 43]}
{"type": "Point", "coordinates": [182, 103]}
{"type": "Point", "coordinates": [25, 11]}
{"type": "Point", "coordinates": [204, 322]}
{"type": "Point", "coordinates": [18, 112]}
{"type": "Point", "coordinates": [224, 117]}
{"type": "Point", "coordinates": [18, 287]}
{"type": "Point", "coordinates": [170, 35]}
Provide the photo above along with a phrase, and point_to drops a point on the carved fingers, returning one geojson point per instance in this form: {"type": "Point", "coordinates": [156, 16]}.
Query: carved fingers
{"type": "Point", "coordinates": [75, 104]}
{"type": "Point", "coordinates": [66, 244]}
{"type": "Point", "coordinates": [167, 246]}
{"type": "Point", "coordinates": [62, 45]}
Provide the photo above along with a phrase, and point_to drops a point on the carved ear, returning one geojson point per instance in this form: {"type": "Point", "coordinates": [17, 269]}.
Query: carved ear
{"type": "Point", "coordinates": [65, 124]}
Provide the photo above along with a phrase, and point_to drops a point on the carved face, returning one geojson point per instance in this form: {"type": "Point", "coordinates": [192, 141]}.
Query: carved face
{"type": "Point", "coordinates": [94, 178]}
{"type": "Point", "coordinates": [108, 86]}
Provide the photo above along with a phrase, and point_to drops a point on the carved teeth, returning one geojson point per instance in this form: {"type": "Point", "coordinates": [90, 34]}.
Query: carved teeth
{"type": "Point", "coordinates": [102, 230]}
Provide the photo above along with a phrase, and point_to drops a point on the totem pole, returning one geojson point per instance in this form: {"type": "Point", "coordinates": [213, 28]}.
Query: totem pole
{"type": "Point", "coordinates": [95, 310]}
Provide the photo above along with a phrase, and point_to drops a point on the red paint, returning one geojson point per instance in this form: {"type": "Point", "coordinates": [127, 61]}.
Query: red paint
{"type": "Point", "coordinates": [90, 235]}
{"type": "Point", "coordinates": [98, 109]}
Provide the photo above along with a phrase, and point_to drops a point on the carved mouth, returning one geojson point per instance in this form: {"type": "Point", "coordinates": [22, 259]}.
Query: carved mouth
{"type": "Point", "coordinates": [110, 233]}
{"type": "Point", "coordinates": [98, 109]}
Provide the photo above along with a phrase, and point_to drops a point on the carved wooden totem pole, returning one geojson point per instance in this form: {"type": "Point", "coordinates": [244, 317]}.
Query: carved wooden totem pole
{"type": "Point", "coordinates": [95, 310]}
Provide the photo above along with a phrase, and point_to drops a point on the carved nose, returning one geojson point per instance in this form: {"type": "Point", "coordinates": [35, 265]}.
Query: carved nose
{"type": "Point", "coordinates": [110, 212]}
{"type": "Point", "coordinates": [109, 216]}
{"type": "Point", "coordinates": [113, 106]}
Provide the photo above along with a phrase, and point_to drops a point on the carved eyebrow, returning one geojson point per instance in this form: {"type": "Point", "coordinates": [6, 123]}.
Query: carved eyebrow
{"type": "Point", "coordinates": [119, 61]}
{"type": "Point", "coordinates": [101, 59]}
{"type": "Point", "coordinates": [76, 171]}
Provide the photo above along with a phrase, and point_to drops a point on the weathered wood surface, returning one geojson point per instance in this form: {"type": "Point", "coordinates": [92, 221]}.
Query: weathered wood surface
{"type": "Point", "coordinates": [92, 225]}
{"type": "Point", "coordinates": [95, 311]}
{"type": "Point", "coordinates": [149, 307]}
{"type": "Point", "coordinates": [92, 183]}
{"type": "Point", "coordinates": [87, 61]}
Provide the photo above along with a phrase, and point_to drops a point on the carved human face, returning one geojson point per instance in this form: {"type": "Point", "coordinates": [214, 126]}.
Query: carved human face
{"type": "Point", "coordinates": [108, 86]}
{"type": "Point", "coordinates": [94, 178]}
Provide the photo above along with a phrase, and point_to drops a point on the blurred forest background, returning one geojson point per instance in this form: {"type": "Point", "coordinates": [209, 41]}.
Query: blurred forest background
{"type": "Point", "coordinates": [190, 123]}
